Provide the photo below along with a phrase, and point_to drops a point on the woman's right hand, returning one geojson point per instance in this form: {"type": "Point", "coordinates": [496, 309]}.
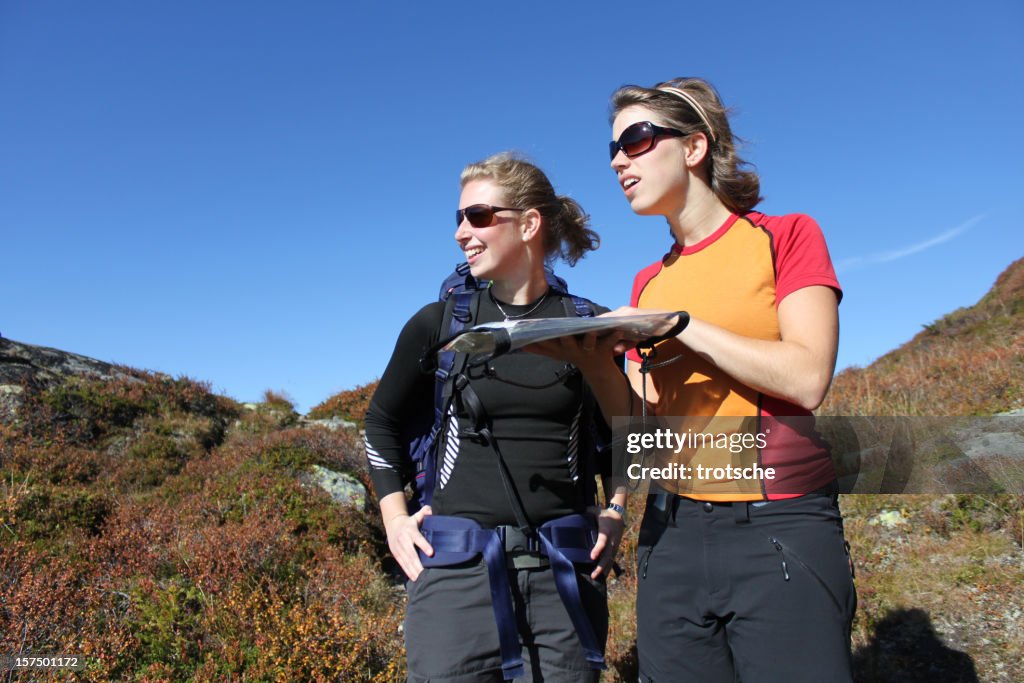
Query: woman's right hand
{"type": "Point", "coordinates": [404, 538]}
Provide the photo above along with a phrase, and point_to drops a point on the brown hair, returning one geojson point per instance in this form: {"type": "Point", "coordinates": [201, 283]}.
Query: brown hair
{"type": "Point", "coordinates": [731, 178]}
{"type": "Point", "coordinates": [565, 230]}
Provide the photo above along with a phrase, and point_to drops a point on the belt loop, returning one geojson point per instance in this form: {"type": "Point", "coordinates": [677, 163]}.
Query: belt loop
{"type": "Point", "coordinates": [741, 512]}
{"type": "Point", "coordinates": [673, 504]}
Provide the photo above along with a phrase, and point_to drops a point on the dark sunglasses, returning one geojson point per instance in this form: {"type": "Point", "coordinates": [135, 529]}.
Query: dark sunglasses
{"type": "Point", "coordinates": [479, 215]}
{"type": "Point", "coordinates": [639, 138]}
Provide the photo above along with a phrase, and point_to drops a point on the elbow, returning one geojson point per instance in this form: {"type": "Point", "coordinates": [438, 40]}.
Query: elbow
{"type": "Point", "coordinates": [812, 395]}
{"type": "Point", "coordinates": [810, 402]}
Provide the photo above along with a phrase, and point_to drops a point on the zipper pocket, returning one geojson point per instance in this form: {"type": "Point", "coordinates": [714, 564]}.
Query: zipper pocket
{"type": "Point", "coordinates": [785, 570]}
{"type": "Point", "coordinates": [646, 560]}
{"type": "Point", "coordinates": [782, 552]}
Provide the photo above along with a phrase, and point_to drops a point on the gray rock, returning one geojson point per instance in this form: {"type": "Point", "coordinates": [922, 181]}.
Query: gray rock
{"type": "Point", "coordinates": [331, 423]}
{"type": "Point", "coordinates": [342, 488]}
{"type": "Point", "coordinates": [22, 364]}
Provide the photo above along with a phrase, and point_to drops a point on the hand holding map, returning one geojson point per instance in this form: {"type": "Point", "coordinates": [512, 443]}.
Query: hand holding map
{"type": "Point", "coordinates": [494, 339]}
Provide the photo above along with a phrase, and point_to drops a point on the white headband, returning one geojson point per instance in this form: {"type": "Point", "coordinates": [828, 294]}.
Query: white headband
{"type": "Point", "coordinates": [694, 104]}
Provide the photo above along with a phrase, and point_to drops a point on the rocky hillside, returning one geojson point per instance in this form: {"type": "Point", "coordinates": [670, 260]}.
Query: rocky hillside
{"type": "Point", "coordinates": [941, 578]}
{"type": "Point", "coordinates": [969, 362]}
{"type": "Point", "coordinates": [168, 534]}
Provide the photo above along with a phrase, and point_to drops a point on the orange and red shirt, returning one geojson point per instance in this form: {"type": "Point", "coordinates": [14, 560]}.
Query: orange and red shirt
{"type": "Point", "coordinates": [735, 279]}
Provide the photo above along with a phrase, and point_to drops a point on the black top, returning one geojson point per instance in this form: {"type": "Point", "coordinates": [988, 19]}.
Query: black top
{"type": "Point", "coordinates": [534, 404]}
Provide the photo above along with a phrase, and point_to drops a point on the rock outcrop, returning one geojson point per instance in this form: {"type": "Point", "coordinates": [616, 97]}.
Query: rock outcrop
{"type": "Point", "coordinates": [27, 364]}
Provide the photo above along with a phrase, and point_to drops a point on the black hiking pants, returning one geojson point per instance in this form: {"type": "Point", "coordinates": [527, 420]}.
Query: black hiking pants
{"type": "Point", "coordinates": [755, 592]}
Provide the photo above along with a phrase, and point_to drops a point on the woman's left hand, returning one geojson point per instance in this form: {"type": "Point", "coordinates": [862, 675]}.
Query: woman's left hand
{"type": "Point", "coordinates": [610, 525]}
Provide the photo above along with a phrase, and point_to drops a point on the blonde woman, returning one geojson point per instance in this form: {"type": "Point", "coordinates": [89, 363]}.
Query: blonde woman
{"type": "Point", "coordinates": [507, 478]}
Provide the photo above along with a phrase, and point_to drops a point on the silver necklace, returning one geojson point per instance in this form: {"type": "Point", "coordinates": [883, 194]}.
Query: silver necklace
{"type": "Point", "coordinates": [508, 316]}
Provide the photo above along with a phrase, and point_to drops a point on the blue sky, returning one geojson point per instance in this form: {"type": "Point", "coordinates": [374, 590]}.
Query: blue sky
{"type": "Point", "coordinates": [260, 194]}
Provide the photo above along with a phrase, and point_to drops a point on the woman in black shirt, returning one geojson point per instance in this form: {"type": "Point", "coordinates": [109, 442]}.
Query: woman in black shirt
{"type": "Point", "coordinates": [510, 223]}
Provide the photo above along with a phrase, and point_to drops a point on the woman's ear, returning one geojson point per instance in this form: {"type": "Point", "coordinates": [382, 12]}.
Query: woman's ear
{"type": "Point", "coordinates": [529, 224]}
{"type": "Point", "coordinates": [696, 149]}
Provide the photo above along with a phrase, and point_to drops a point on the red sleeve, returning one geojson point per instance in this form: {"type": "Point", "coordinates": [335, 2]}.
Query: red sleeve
{"type": "Point", "coordinates": [801, 255]}
{"type": "Point", "coordinates": [639, 282]}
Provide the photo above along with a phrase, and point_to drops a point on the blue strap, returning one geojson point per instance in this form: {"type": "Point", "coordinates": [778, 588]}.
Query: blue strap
{"type": "Point", "coordinates": [583, 307]}
{"type": "Point", "coordinates": [460, 316]}
{"type": "Point", "coordinates": [569, 590]}
{"type": "Point", "coordinates": [504, 613]}
{"type": "Point", "coordinates": [564, 540]}
{"type": "Point", "coordinates": [456, 540]}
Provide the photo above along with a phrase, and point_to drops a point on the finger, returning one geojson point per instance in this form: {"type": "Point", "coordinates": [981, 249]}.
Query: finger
{"type": "Point", "coordinates": [412, 568]}
{"type": "Point", "coordinates": [602, 541]}
{"type": "Point", "coordinates": [420, 514]}
{"type": "Point", "coordinates": [602, 566]}
{"type": "Point", "coordinates": [421, 542]}
{"type": "Point", "coordinates": [622, 346]}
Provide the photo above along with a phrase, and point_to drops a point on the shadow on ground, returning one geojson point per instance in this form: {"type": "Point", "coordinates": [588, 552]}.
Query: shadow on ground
{"type": "Point", "coordinates": [906, 649]}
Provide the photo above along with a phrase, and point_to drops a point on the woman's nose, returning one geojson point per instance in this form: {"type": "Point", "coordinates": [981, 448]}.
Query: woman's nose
{"type": "Point", "coordinates": [619, 161]}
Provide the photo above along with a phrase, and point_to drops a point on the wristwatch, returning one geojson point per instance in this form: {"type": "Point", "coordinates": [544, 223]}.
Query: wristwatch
{"type": "Point", "coordinates": [617, 508]}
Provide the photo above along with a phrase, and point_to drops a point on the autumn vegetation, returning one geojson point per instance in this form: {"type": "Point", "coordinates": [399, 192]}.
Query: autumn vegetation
{"type": "Point", "coordinates": [168, 534]}
{"type": "Point", "coordinates": [163, 533]}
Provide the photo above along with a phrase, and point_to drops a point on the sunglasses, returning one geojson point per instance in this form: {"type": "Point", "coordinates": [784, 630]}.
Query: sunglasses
{"type": "Point", "coordinates": [479, 215]}
{"type": "Point", "coordinates": [639, 139]}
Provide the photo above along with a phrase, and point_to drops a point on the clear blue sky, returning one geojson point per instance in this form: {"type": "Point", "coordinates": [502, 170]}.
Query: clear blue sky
{"type": "Point", "coordinates": [259, 194]}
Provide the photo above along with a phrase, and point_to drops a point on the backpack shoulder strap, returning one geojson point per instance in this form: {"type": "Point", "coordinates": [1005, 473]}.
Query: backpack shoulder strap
{"type": "Point", "coordinates": [589, 441]}
{"type": "Point", "coordinates": [459, 312]}
{"type": "Point", "coordinates": [577, 306]}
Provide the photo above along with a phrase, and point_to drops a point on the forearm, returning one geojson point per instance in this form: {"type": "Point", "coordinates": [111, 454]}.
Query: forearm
{"type": "Point", "coordinates": [615, 396]}
{"type": "Point", "coordinates": [393, 506]}
{"type": "Point", "coordinates": [614, 493]}
{"type": "Point", "coordinates": [789, 370]}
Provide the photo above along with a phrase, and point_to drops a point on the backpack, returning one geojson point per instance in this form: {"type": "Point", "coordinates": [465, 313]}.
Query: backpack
{"type": "Point", "coordinates": [460, 292]}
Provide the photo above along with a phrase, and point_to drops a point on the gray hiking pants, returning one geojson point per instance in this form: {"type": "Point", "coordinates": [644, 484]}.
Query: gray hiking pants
{"type": "Point", "coordinates": [451, 635]}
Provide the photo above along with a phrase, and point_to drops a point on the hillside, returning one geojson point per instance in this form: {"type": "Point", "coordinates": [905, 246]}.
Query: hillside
{"type": "Point", "coordinates": [969, 362]}
{"type": "Point", "coordinates": [941, 578]}
{"type": "Point", "coordinates": [170, 534]}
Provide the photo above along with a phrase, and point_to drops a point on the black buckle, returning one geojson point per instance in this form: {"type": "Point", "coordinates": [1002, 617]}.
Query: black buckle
{"type": "Point", "coordinates": [523, 550]}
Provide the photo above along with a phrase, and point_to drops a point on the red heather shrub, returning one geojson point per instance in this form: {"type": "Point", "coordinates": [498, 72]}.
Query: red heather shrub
{"type": "Point", "coordinates": [348, 405]}
{"type": "Point", "coordinates": [278, 400]}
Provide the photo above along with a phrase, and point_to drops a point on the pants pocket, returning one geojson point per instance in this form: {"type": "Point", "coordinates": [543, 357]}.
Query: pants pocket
{"type": "Point", "coordinates": [656, 515]}
{"type": "Point", "coordinates": [830, 574]}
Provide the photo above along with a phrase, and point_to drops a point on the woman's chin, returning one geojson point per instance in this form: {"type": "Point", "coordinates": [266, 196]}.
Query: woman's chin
{"type": "Point", "coordinates": [480, 272]}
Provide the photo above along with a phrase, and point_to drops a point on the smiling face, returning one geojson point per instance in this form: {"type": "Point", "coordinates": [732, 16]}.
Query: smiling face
{"type": "Point", "coordinates": [655, 182]}
{"type": "Point", "coordinates": [496, 251]}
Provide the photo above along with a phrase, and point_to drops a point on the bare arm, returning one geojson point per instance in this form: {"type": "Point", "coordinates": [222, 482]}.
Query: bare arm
{"type": "Point", "coordinates": [798, 368]}
{"type": "Point", "coordinates": [403, 532]}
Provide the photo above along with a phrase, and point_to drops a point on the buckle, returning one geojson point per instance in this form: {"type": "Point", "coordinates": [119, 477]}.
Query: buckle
{"type": "Point", "coordinates": [517, 541]}
{"type": "Point", "coordinates": [522, 550]}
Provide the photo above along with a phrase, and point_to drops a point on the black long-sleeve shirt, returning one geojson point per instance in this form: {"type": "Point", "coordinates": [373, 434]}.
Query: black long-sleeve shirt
{"type": "Point", "coordinates": [535, 408]}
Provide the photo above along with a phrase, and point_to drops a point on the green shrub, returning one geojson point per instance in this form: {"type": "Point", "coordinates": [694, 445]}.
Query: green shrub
{"type": "Point", "coordinates": [48, 512]}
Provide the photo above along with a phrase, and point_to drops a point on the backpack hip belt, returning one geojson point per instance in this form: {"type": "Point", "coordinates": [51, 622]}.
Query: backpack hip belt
{"type": "Point", "coordinates": [561, 542]}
